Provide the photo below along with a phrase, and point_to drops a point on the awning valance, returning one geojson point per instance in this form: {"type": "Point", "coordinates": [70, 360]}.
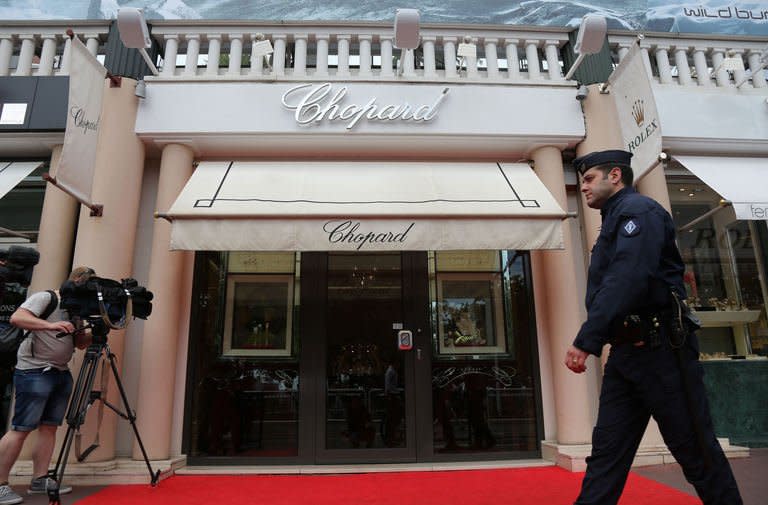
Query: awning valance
{"type": "Point", "coordinates": [364, 206]}
{"type": "Point", "coordinates": [13, 172]}
{"type": "Point", "coordinates": [741, 181]}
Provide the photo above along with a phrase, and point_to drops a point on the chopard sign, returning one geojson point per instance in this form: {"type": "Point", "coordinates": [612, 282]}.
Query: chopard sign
{"type": "Point", "coordinates": [347, 232]}
{"type": "Point", "coordinates": [314, 103]}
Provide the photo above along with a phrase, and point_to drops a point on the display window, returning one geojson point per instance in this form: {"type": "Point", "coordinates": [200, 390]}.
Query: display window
{"type": "Point", "coordinates": [725, 270]}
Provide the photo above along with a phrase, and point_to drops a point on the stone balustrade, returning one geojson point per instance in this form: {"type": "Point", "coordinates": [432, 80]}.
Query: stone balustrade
{"type": "Point", "coordinates": [222, 50]}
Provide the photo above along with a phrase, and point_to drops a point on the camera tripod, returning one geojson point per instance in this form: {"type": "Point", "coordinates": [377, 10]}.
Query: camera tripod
{"type": "Point", "coordinates": [83, 396]}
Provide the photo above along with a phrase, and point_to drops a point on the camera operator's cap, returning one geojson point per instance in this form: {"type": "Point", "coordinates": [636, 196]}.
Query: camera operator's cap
{"type": "Point", "coordinates": [596, 158]}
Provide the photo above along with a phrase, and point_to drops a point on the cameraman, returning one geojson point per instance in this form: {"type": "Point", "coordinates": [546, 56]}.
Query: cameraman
{"type": "Point", "coordinates": [43, 386]}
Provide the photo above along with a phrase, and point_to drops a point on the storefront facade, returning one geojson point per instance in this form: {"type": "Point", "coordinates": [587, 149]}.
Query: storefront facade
{"type": "Point", "coordinates": [347, 267]}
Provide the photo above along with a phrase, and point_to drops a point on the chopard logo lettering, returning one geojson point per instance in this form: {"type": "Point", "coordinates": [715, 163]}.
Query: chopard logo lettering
{"type": "Point", "coordinates": [341, 232]}
{"type": "Point", "coordinates": [316, 103]}
{"type": "Point", "coordinates": [81, 121]}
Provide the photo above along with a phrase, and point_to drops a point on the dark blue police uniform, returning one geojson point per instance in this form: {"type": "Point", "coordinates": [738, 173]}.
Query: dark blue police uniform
{"type": "Point", "coordinates": [634, 268]}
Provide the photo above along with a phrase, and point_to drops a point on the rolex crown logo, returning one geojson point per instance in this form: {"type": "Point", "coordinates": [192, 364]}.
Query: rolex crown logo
{"type": "Point", "coordinates": [638, 112]}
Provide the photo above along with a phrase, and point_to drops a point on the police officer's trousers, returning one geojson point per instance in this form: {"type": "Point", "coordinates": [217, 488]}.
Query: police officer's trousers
{"type": "Point", "coordinates": [640, 382]}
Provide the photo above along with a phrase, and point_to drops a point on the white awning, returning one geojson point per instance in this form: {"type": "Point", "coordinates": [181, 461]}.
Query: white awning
{"type": "Point", "coordinates": [741, 181]}
{"type": "Point", "coordinates": [13, 172]}
{"type": "Point", "coordinates": [364, 206]}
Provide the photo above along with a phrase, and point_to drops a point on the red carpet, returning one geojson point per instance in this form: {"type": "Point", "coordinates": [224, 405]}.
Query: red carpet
{"type": "Point", "coordinates": [519, 486]}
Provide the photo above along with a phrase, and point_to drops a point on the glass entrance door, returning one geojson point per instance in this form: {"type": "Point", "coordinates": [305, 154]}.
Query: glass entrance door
{"type": "Point", "coordinates": [368, 398]}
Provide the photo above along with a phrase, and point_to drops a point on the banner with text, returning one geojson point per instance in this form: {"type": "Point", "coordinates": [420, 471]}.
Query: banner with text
{"type": "Point", "coordinates": [78, 156]}
{"type": "Point", "coordinates": [630, 87]}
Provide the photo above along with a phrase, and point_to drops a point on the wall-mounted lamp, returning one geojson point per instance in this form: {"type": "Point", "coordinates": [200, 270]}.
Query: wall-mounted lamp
{"type": "Point", "coordinates": [141, 89]}
{"type": "Point", "coordinates": [466, 50]}
{"type": "Point", "coordinates": [582, 92]}
{"type": "Point", "coordinates": [406, 33]}
{"type": "Point", "coordinates": [589, 40]}
{"type": "Point", "coordinates": [262, 48]}
{"type": "Point", "coordinates": [134, 33]}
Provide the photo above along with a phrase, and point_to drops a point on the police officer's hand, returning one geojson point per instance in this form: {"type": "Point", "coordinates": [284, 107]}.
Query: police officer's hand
{"type": "Point", "coordinates": [576, 359]}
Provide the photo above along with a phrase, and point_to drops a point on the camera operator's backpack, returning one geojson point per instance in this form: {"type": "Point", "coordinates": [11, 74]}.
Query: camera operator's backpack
{"type": "Point", "coordinates": [12, 337]}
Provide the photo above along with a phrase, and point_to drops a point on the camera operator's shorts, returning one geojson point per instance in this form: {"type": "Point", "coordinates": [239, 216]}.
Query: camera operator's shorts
{"type": "Point", "coordinates": [41, 397]}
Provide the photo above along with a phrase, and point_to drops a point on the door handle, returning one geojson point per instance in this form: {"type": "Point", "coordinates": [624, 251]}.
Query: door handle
{"type": "Point", "coordinates": [418, 353]}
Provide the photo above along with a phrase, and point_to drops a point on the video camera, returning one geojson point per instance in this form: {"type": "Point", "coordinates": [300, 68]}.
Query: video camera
{"type": "Point", "coordinates": [19, 262]}
{"type": "Point", "coordinates": [106, 298]}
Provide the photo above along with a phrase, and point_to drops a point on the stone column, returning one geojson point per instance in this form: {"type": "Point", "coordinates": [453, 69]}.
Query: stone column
{"type": "Point", "coordinates": [235, 53]}
{"type": "Point", "coordinates": [386, 56]}
{"type": "Point", "coordinates": [532, 55]}
{"type": "Point", "coordinates": [553, 60]}
{"type": "Point", "coordinates": [214, 53]}
{"type": "Point", "coordinates": [342, 68]}
{"type": "Point", "coordinates": [57, 234]}
{"type": "Point", "coordinates": [365, 55]}
{"type": "Point", "coordinates": [558, 312]}
{"type": "Point", "coordinates": [662, 63]}
{"type": "Point", "coordinates": [449, 56]}
{"type": "Point", "coordinates": [47, 54]}
{"type": "Point", "coordinates": [492, 58]}
{"type": "Point", "coordinates": [193, 51]}
{"type": "Point", "coordinates": [26, 53]}
{"type": "Point", "coordinates": [106, 243]}
{"type": "Point", "coordinates": [683, 69]}
{"type": "Point", "coordinates": [159, 347]}
{"type": "Point", "coordinates": [171, 51]}
{"type": "Point", "coordinates": [700, 64]}
{"type": "Point", "coordinates": [430, 66]}
{"type": "Point", "coordinates": [513, 60]}
{"type": "Point", "coordinates": [6, 51]}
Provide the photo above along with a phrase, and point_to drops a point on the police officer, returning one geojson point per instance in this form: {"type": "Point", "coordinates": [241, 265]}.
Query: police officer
{"type": "Point", "coordinates": [634, 303]}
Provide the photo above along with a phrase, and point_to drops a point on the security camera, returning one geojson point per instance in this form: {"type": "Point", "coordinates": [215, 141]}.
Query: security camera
{"type": "Point", "coordinates": [581, 93]}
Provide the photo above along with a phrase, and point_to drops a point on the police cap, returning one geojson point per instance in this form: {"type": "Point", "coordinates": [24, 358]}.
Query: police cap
{"type": "Point", "coordinates": [596, 158]}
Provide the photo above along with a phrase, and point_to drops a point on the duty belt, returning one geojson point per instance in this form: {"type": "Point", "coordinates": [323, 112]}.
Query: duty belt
{"type": "Point", "coordinates": [637, 328]}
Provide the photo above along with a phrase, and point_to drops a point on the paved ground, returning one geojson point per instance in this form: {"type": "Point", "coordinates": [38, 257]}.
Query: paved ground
{"type": "Point", "coordinates": [751, 474]}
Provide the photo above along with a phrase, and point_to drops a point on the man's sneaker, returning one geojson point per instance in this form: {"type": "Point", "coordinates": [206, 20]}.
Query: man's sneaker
{"type": "Point", "coordinates": [8, 496]}
{"type": "Point", "coordinates": [41, 485]}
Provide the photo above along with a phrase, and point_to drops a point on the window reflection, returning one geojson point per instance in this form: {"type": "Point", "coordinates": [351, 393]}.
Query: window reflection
{"type": "Point", "coordinates": [483, 391]}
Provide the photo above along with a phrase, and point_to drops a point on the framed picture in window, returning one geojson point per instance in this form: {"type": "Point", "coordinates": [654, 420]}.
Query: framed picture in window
{"type": "Point", "coordinates": [470, 313]}
{"type": "Point", "coordinates": [258, 315]}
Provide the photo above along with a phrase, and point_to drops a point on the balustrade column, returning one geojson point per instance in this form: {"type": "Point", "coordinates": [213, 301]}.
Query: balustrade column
{"type": "Point", "coordinates": [27, 52]}
{"type": "Point", "coordinates": [758, 76]}
{"type": "Point", "coordinates": [532, 55]}
{"type": "Point", "coordinates": [430, 67]}
{"type": "Point", "coordinates": [300, 54]}
{"type": "Point", "coordinates": [92, 44]}
{"type": "Point", "coordinates": [700, 64]}
{"type": "Point", "coordinates": [66, 57]}
{"type": "Point", "coordinates": [407, 61]}
{"type": "Point", "coordinates": [646, 58]}
{"type": "Point", "coordinates": [278, 56]}
{"type": "Point", "coordinates": [386, 56]}
{"type": "Point", "coordinates": [6, 51]}
{"type": "Point", "coordinates": [214, 54]}
{"type": "Point", "coordinates": [683, 69]}
{"type": "Point", "coordinates": [449, 55]}
{"type": "Point", "coordinates": [513, 60]}
{"type": "Point", "coordinates": [491, 58]}
{"type": "Point", "coordinates": [662, 62]}
{"type": "Point", "coordinates": [193, 51]}
{"type": "Point", "coordinates": [343, 45]}
{"type": "Point", "coordinates": [553, 60]}
{"type": "Point", "coordinates": [721, 75]}
{"type": "Point", "coordinates": [365, 55]}
{"type": "Point", "coordinates": [169, 59]}
{"type": "Point", "coordinates": [235, 53]}
{"type": "Point", "coordinates": [321, 65]}
{"type": "Point", "coordinates": [47, 55]}
{"type": "Point", "coordinates": [738, 74]}
{"type": "Point", "coordinates": [623, 49]}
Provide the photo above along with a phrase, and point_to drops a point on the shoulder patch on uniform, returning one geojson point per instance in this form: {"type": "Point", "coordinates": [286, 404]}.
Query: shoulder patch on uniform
{"type": "Point", "coordinates": [630, 228]}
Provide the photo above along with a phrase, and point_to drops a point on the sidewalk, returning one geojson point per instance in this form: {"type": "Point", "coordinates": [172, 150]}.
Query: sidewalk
{"type": "Point", "coordinates": [750, 474]}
